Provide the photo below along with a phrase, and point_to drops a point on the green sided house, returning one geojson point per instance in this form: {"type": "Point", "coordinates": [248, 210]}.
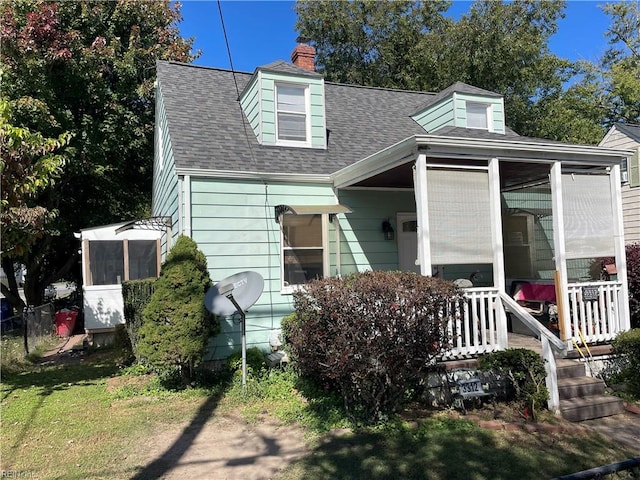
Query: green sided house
{"type": "Point", "coordinates": [285, 174]}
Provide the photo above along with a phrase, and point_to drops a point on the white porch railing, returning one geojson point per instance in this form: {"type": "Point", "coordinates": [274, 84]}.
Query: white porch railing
{"type": "Point", "coordinates": [477, 326]}
{"type": "Point", "coordinates": [595, 310]}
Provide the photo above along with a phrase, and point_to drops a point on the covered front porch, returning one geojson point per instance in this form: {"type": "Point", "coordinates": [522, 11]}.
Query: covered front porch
{"type": "Point", "coordinates": [497, 215]}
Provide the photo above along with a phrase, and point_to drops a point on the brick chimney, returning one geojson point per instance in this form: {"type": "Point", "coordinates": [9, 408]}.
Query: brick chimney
{"type": "Point", "coordinates": [304, 55]}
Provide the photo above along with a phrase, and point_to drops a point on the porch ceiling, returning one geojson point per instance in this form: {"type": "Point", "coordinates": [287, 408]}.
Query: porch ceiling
{"type": "Point", "coordinates": [512, 174]}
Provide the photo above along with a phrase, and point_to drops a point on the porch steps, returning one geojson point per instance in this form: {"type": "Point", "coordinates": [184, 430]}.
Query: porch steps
{"type": "Point", "coordinates": [582, 397]}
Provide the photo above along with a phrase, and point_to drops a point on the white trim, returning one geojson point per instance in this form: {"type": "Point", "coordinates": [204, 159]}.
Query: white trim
{"type": "Point", "coordinates": [180, 203]}
{"type": "Point", "coordinates": [326, 256]}
{"type": "Point", "coordinates": [187, 206]}
{"type": "Point", "coordinates": [326, 263]}
{"type": "Point", "coordinates": [273, 177]}
{"type": "Point", "coordinates": [495, 202]}
{"type": "Point", "coordinates": [307, 114]}
{"type": "Point", "coordinates": [457, 166]}
{"type": "Point", "coordinates": [336, 222]}
{"type": "Point", "coordinates": [474, 148]}
{"type": "Point", "coordinates": [422, 214]}
{"type": "Point", "coordinates": [488, 111]}
{"type": "Point", "coordinates": [380, 189]}
{"type": "Point", "coordinates": [619, 247]}
{"type": "Point", "coordinates": [557, 210]}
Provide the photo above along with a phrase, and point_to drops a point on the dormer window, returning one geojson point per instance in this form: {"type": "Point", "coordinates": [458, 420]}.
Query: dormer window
{"type": "Point", "coordinates": [292, 113]}
{"type": "Point", "coordinates": [478, 115]}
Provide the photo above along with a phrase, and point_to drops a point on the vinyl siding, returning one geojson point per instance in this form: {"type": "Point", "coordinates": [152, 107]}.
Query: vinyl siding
{"type": "Point", "coordinates": [497, 110]}
{"type": "Point", "coordinates": [165, 197]}
{"type": "Point", "coordinates": [268, 107]}
{"type": "Point", "coordinates": [250, 104]}
{"type": "Point", "coordinates": [631, 190]}
{"type": "Point", "coordinates": [362, 244]}
{"type": "Point", "coordinates": [234, 226]}
{"type": "Point", "coordinates": [436, 116]}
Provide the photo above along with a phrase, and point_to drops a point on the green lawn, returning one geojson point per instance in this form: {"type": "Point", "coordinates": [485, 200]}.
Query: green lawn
{"type": "Point", "coordinates": [82, 421]}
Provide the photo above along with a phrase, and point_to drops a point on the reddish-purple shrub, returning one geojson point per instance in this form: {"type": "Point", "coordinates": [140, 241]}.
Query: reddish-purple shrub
{"type": "Point", "coordinates": [370, 336]}
{"type": "Point", "coordinates": [633, 278]}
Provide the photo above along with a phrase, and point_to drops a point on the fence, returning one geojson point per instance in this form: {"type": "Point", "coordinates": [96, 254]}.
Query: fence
{"type": "Point", "coordinates": [39, 324]}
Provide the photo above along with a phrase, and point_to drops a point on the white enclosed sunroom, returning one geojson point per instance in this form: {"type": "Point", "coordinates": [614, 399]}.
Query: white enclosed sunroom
{"type": "Point", "coordinates": [112, 254]}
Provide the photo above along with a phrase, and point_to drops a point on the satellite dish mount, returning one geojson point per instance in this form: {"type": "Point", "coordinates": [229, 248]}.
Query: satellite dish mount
{"type": "Point", "coordinates": [220, 300]}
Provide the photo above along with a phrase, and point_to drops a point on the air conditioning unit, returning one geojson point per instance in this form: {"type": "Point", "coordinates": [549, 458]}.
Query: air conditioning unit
{"type": "Point", "coordinates": [624, 176]}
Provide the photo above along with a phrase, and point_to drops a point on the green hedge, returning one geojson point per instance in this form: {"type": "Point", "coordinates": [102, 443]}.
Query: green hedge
{"type": "Point", "coordinates": [627, 346]}
{"type": "Point", "coordinates": [136, 294]}
{"type": "Point", "coordinates": [525, 372]}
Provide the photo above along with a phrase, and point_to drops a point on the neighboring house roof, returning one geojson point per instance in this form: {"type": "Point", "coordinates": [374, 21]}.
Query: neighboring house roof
{"type": "Point", "coordinates": [630, 130]}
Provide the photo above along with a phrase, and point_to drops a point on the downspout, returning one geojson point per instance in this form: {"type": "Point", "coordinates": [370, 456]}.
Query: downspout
{"type": "Point", "coordinates": [186, 206]}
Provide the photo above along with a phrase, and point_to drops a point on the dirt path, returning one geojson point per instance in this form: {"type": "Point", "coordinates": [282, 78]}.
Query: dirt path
{"type": "Point", "coordinates": [225, 448]}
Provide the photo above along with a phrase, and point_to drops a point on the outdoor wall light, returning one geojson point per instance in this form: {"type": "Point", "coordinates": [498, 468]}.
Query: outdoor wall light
{"type": "Point", "coordinates": [387, 229]}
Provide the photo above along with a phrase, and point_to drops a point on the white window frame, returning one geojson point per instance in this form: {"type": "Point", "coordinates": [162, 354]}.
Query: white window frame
{"type": "Point", "coordinates": [307, 115]}
{"type": "Point", "coordinates": [624, 171]}
{"type": "Point", "coordinates": [488, 114]}
{"type": "Point", "coordinates": [289, 289]}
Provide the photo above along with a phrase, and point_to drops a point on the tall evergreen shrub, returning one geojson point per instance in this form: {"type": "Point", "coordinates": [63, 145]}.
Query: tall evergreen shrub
{"type": "Point", "coordinates": [176, 324]}
{"type": "Point", "coordinates": [136, 294]}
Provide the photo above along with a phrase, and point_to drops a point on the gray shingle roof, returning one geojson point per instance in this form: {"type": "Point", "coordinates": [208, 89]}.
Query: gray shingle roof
{"type": "Point", "coordinates": [205, 123]}
{"type": "Point", "coordinates": [629, 129]}
{"type": "Point", "coordinates": [458, 87]}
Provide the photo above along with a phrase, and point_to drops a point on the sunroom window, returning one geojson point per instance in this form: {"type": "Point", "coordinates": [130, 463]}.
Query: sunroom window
{"type": "Point", "coordinates": [477, 115]}
{"type": "Point", "coordinates": [113, 261]}
{"type": "Point", "coordinates": [291, 113]}
{"type": "Point", "coordinates": [302, 249]}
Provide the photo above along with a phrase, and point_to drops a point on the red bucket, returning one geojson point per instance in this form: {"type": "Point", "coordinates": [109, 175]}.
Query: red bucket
{"type": "Point", "coordinates": [65, 322]}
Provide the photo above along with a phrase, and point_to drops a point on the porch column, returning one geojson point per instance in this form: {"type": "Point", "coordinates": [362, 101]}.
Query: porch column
{"type": "Point", "coordinates": [619, 247]}
{"type": "Point", "coordinates": [498, 259]}
{"type": "Point", "coordinates": [496, 224]}
{"type": "Point", "coordinates": [561, 278]}
{"type": "Point", "coordinates": [422, 214]}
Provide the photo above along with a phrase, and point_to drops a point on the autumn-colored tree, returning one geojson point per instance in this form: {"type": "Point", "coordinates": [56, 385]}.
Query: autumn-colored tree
{"type": "Point", "coordinates": [86, 70]}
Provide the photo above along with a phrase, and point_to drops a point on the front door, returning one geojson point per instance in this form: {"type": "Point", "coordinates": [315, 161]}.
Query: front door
{"type": "Point", "coordinates": [408, 242]}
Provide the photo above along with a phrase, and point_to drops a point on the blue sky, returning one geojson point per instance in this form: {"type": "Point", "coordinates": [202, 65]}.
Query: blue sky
{"type": "Point", "coordinates": [261, 32]}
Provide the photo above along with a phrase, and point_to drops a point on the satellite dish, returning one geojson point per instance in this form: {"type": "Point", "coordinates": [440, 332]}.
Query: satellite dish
{"type": "Point", "coordinates": [246, 288]}
{"type": "Point", "coordinates": [236, 294]}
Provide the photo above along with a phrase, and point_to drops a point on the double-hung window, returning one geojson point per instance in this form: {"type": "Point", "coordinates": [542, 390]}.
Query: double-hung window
{"type": "Point", "coordinates": [291, 113]}
{"type": "Point", "coordinates": [478, 115]}
{"type": "Point", "coordinates": [302, 249]}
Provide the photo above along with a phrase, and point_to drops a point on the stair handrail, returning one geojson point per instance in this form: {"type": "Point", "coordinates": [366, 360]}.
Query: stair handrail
{"type": "Point", "coordinates": [550, 343]}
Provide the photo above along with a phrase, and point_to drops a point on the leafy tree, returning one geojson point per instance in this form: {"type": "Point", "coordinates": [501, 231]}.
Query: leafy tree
{"type": "Point", "coordinates": [176, 324]}
{"type": "Point", "coordinates": [622, 62]}
{"type": "Point", "coordinates": [373, 43]}
{"type": "Point", "coordinates": [29, 163]}
{"type": "Point", "coordinates": [502, 47]}
{"type": "Point", "coordinates": [86, 69]}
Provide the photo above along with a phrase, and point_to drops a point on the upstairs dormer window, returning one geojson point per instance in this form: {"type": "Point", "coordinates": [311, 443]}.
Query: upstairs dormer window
{"type": "Point", "coordinates": [478, 115]}
{"type": "Point", "coordinates": [292, 113]}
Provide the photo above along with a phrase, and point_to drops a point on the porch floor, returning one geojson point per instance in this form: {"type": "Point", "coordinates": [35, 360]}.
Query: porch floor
{"type": "Point", "coordinates": [518, 340]}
